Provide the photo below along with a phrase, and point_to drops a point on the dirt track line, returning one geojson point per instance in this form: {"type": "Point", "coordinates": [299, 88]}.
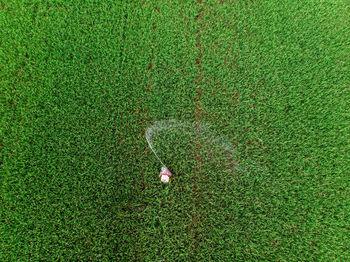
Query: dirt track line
{"type": "Point", "coordinates": [113, 115]}
{"type": "Point", "coordinates": [196, 216]}
{"type": "Point", "coordinates": [198, 89]}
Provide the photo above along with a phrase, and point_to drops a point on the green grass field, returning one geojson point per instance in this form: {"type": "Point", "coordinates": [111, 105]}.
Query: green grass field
{"type": "Point", "coordinates": [81, 81]}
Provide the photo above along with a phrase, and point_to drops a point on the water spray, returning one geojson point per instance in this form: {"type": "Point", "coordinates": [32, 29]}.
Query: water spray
{"type": "Point", "coordinates": [165, 174]}
{"type": "Point", "coordinates": [213, 148]}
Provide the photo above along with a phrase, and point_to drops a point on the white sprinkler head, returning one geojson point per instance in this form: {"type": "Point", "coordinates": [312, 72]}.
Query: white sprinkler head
{"type": "Point", "coordinates": [164, 179]}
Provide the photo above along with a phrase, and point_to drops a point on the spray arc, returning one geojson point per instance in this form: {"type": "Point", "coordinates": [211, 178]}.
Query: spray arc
{"type": "Point", "coordinates": [165, 174]}
{"type": "Point", "coordinates": [167, 138]}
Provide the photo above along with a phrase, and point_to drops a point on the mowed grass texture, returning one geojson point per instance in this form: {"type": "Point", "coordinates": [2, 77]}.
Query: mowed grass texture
{"type": "Point", "coordinates": [81, 82]}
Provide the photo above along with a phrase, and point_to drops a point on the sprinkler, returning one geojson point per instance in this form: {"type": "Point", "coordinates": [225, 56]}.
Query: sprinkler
{"type": "Point", "coordinates": [165, 175]}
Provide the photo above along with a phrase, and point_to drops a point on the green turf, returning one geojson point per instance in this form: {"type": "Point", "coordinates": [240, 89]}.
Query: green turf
{"type": "Point", "coordinates": [81, 81]}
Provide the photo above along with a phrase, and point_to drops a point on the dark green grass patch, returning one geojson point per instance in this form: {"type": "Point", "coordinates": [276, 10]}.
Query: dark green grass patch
{"type": "Point", "coordinates": [80, 83]}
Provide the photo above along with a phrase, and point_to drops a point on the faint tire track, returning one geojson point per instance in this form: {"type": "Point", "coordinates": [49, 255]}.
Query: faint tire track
{"type": "Point", "coordinates": [196, 216]}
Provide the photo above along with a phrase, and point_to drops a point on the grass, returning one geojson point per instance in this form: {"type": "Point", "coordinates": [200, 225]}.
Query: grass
{"type": "Point", "coordinates": [82, 81]}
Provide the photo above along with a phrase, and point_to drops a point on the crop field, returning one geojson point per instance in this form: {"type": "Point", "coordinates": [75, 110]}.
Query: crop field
{"type": "Point", "coordinates": [257, 96]}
